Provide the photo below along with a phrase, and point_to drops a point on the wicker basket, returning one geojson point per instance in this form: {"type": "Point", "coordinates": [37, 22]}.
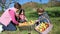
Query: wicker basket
{"type": "Point", "coordinates": [46, 31]}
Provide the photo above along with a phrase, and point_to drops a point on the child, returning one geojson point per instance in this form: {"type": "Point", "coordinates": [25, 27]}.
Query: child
{"type": "Point", "coordinates": [43, 16]}
{"type": "Point", "coordinates": [22, 17]}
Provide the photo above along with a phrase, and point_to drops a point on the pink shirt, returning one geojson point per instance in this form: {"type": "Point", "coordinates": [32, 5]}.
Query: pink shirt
{"type": "Point", "coordinates": [8, 16]}
{"type": "Point", "coordinates": [5, 18]}
{"type": "Point", "coordinates": [12, 14]}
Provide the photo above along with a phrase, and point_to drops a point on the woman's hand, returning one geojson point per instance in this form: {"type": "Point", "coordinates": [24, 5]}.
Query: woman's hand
{"type": "Point", "coordinates": [17, 24]}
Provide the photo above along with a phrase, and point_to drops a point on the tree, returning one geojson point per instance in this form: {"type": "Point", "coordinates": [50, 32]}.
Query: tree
{"type": "Point", "coordinates": [41, 2]}
{"type": "Point", "coordinates": [4, 4]}
{"type": "Point", "coordinates": [54, 2]}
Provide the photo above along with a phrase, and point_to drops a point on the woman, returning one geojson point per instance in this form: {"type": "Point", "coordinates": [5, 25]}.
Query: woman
{"type": "Point", "coordinates": [8, 18]}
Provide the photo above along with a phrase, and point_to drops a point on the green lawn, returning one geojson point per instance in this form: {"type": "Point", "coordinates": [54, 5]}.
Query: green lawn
{"type": "Point", "coordinates": [32, 15]}
{"type": "Point", "coordinates": [55, 30]}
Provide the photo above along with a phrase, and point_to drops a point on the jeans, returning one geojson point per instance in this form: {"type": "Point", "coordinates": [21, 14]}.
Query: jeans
{"type": "Point", "coordinates": [44, 20]}
{"type": "Point", "coordinates": [10, 27]}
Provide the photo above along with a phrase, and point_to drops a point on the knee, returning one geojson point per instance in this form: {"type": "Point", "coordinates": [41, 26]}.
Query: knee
{"type": "Point", "coordinates": [13, 29]}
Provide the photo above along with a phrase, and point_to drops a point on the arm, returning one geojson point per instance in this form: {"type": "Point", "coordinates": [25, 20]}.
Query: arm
{"type": "Point", "coordinates": [26, 19]}
{"type": "Point", "coordinates": [46, 18]}
{"type": "Point", "coordinates": [37, 21]}
{"type": "Point", "coordinates": [12, 14]}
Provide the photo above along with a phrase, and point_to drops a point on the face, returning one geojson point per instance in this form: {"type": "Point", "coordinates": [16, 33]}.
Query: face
{"type": "Point", "coordinates": [39, 13]}
{"type": "Point", "coordinates": [17, 9]}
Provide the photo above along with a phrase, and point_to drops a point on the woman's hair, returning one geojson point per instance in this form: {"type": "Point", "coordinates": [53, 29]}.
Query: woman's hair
{"type": "Point", "coordinates": [40, 10]}
{"type": "Point", "coordinates": [17, 5]}
{"type": "Point", "coordinates": [21, 11]}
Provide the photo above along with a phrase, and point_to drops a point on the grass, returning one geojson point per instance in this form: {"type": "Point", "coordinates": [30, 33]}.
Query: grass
{"type": "Point", "coordinates": [55, 30]}
{"type": "Point", "coordinates": [32, 15]}
{"type": "Point", "coordinates": [52, 9]}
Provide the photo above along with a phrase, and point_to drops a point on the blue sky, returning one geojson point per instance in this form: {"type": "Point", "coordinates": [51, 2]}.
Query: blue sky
{"type": "Point", "coordinates": [25, 1]}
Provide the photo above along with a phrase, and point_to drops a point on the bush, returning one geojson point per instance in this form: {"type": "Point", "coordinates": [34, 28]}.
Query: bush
{"type": "Point", "coordinates": [53, 11]}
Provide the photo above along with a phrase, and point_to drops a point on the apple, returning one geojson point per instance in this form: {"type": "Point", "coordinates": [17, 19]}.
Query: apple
{"type": "Point", "coordinates": [43, 29]}
{"type": "Point", "coordinates": [47, 25]}
{"type": "Point", "coordinates": [28, 22]}
{"type": "Point", "coordinates": [31, 21]}
{"type": "Point", "coordinates": [40, 27]}
{"type": "Point", "coordinates": [25, 22]}
{"type": "Point", "coordinates": [42, 24]}
{"type": "Point", "coordinates": [40, 30]}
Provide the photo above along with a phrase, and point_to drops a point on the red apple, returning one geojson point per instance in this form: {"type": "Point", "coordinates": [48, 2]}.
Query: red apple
{"type": "Point", "coordinates": [47, 25]}
{"type": "Point", "coordinates": [43, 29]}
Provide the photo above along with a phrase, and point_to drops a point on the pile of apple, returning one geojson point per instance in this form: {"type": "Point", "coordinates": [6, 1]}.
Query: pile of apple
{"type": "Point", "coordinates": [23, 24]}
{"type": "Point", "coordinates": [26, 23]}
{"type": "Point", "coordinates": [43, 26]}
{"type": "Point", "coordinates": [31, 22]}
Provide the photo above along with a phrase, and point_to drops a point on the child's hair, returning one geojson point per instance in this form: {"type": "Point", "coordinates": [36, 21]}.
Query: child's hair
{"type": "Point", "coordinates": [17, 5]}
{"type": "Point", "coordinates": [40, 10]}
{"type": "Point", "coordinates": [21, 11]}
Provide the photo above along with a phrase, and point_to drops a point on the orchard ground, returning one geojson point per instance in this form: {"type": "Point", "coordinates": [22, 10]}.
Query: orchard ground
{"type": "Point", "coordinates": [31, 14]}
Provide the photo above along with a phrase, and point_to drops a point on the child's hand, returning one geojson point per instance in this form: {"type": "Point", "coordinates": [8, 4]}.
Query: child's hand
{"type": "Point", "coordinates": [37, 21]}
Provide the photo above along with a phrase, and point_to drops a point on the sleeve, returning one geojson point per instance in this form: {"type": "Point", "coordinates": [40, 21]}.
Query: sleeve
{"type": "Point", "coordinates": [45, 16]}
{"type": "Point", "coordinates": [40, 17]}
{"type": "Point", "coordinates": [12, 14]}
